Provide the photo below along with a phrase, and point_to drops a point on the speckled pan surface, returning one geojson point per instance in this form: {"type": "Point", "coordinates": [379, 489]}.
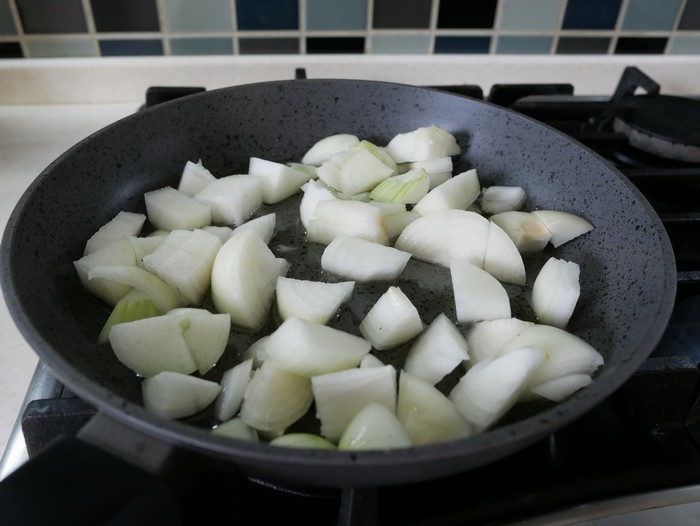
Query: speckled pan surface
{"type": "Point", "coordinates": [627, 268]}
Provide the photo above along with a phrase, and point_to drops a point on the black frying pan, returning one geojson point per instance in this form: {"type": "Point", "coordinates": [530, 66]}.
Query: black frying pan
{"type": "Point", "coordinates": [627, 266]}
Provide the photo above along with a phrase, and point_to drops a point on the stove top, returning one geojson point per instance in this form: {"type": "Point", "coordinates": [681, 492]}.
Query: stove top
{"type": "Point", "coordinates": [640, 448]}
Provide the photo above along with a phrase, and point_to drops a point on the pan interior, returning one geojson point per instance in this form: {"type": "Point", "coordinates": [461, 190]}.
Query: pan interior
{"type": "Point", "coordinates": [627, 270]}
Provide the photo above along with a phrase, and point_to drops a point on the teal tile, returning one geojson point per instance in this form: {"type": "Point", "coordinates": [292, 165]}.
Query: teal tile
{"type": "Point", "coordinates": [7, 23]}
{"type": "Point", "coordinates": [650, 15]}
{"type": "Point", "coordinates": [336, 14]}
{"type": "Point", "coordinates": [201, 46]}
{"type": "Point", "coordinates": [64, 47]}
{"type": "Point", "coordinates": [524, 45]}
{"type": "Point", "coordinates": [202, 15]}
{"type": "Point", "coordinates": [400, 44]}
{"type": "Point", "coordinates": [684, 45]}
{"type": "Point", "coordinates": [530, 14]}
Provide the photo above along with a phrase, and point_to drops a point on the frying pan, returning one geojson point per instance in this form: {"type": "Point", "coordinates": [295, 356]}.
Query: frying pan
{"type": "Point", "coordinates": [627, 267]}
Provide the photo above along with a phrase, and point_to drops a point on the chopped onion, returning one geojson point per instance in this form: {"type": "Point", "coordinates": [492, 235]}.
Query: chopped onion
{"type": "Point", "coordinates": [555, 292]}
{"type": "Point", "coordinates": [170, 209]}
{"type": "Point", "coordinates": [205, 333]}
{"type": "Point", "coordinates": [371, 361]}
{"type": "Point", "coordinates": [264, 226]}
{"type": "Point", "coordinates": [562, 387]}
{"type": "Point", "coordinates": [437, 352]}
{"type": "Point", "coordinates": [407, 188]}
{"type": "Point", "coordinates": [391, 321]}
{"type": "Point", "coordinates": [336, 217]}
{"type": "Point", "coordinates": [327, 147]}
{"type": "Point", "coordinates": [374, 427]}
{"type": "Point", "coordinates": [526, 230]}
{"type": "Point", "coordinates": [233, 386]}
{"type": "Point", "coordinates": [497, 199]}
{"type": "Point", "coordinates": [502, 258]}
{"type": "Point", "coordinates": [426, 414]}
{"type": "Point", "coordinates": [486, 339]}
{"type": "Point", "coordinates": [422, 144]}
{"type": "Point", "coordinates": [302, 440]}
{"type": "Point", "coordinates": [135, 305]}
{"type": "Point", "coordinates": [194, 178]}
{"type": "Point", "coordinates": [277, 181]}
{"type": "Point", "coordinates": [119, 252]}
{"type": "Point", "coordinates": [124, 224]}
{"type": "Point", "coordinates": [362, 260]}
{"type": "Point", "coordinates": [458, 192]}
{"type": "Point", "coordinates": [237, 428]}
{"type": "Point", "coordinates": [275, 399]}
{"type": "Point", "coordinates": [313, 301]}
{"type": "Point", "coordinates": [173, 395]}
{"type": "Point", "coordinates": [308, 349]}
{"type": "Point", "coordinates": [222, 232]}
{"type": "Point", "coordinates": [314, 191]}
{"type": "Point", "coordinates": [478, 295]}
{"type": "Point", "coordinates": [339, 396]}
{"type": "Point", "coordinates": [361, 171]}
{"type": "Point", "coordinates": [232, 198]}
{"type": "Point", "coordinates": [563, 226]}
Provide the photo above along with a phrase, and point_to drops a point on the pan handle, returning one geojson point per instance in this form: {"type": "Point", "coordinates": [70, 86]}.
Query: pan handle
{"type": "Point", "coordinates": [92, 479]}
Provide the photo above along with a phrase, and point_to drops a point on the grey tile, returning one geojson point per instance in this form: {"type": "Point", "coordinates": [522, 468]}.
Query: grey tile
{"type": "Point", "coordinates": [684, 45]}
{"type": "Point", "coordinates": [64, 47]}
{"type": "Point", "coordinates": [336, 14]}
{"type": "Point", "coordinates": [7, 23]}
{"type": "Point", "coordinates": [201, 16]}
{"type": "Point", "coordinates": [201, 46]}
{"type": "Point", "coordinates": [530, 14]}
{"type": "Point", "coordinates": [401, 14]}
{"type": "Point", "coordinates": [690, 19]}
{"type": "Point", "coordinates": [650, 15]}
{"type": "Point", "coordinates": [57, 16]}
{"type": "Point", "coordinates": [400, 44]}
{"type": "Point", "coordinates": [523, 45]}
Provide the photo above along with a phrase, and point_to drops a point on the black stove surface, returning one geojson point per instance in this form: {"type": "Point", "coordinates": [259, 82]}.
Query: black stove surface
{"type": "Point", "coordinates": [644, 437]}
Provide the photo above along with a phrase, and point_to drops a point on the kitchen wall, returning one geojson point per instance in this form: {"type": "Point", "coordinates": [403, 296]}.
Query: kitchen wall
{"type": "Point", "coordinates": [72, 28]}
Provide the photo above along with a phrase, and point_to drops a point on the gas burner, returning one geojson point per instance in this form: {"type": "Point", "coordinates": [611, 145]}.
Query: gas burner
{"type": "Point", "coordinates": [663, 125]}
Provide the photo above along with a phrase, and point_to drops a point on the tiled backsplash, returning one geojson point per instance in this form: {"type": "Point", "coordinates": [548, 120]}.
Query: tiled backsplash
{"type": "Point", "coordinates": [71, 28]}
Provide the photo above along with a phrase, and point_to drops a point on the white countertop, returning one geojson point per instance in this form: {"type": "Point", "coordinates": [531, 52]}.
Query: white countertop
{"type": "Point", "coordinates": [46, 106]}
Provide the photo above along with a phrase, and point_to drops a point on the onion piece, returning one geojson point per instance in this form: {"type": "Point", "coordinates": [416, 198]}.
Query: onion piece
{"type": "Point", "coordinates": [422, 144]}
{"type": "Point", "coordinates": [173, 395]}
{"type": "Point", "coordinates": [124, 224]}
{"type": "Point", "coordinates": [396, 223]}
{"type": "Point", "coordinates": [562, 387]}
{"type": "Point", "coordinates": [361, 260]}
{"type": "Point", "coordinates": [445, 235]}
{"type": "Point", "coordinates": [361, 171]}
{"type": "Point", "coordinates": [497, 199]}
{"type": "Point", "coordinates": [264, 226]}
{"type": "Point", "coordinates": [336, 217]}
{"type": "Point", "coordinates": [314, 191]}
{"type": "Point", "coordinates": [232, 198]}
{"type": "Point", "coordinates": [308, 349]}
{"type": "Point", "coordinates": [491, 388]}
{"type": "Point", "coordinates": [119, 252]}
{"type": "Point", "coordinates": [243, 279]}
{"type": "Point", "coordinates": [339, 396]}
{"type": "Point", "coordinates": [526, 230]}
{"type": "Point", "coordinates": [194, 178]}
{"type": "Point", "coordinates": [205, 333]}
{"type": "Point", "coordinates": [275, 399]}
{"type": "Point", "coordinates": [555, 292]}
{"type": "Point", "coordinates": [487, 339]}
{"type": "Point", "coordinates": [327, 147]}
{"type": "Point", "coordinates": [302, 440]}
{"type": "Point", "coordinates": [222, 232]}
{"type": "Point", "coordinates": [458, 192]}
{"type": "Point", "coordinates": [439, 170]}
{"type": "Point", "coordinates": [371, 361]}
{"type": "Point", "coordinates": [233, 386]}
{"type": "Point", "coordinates": [391, 321]}
{"type": "Point", "coordinates": [407, 188]}
{"type": "Point", "coordinates": [184, 260]}
{"type": "Point", "coordinates": [170, 209]}
{"type": "Point", "coordinates": [237, 428]}
{"type": "Point", "coordinates": [563, 226]}
{"type": "Point", "coordinates": [427, 415]}
{"type": "Point", "coordinates": [502, 258]}
{"type": "Point", "coordinates": [374, 427]}
{"type": "Point", "coordinates": [135, 305]}
{"type": "Point", "coordinates": [478, 295]}
{"type": "Point", "coordinates": [147, 245]}
{"type": "Point", "coordinates": [436, 352]}
{"type": "Point", "coordinates": [313, 301]}
{"type": "Point", "coordinates": [277, 181]}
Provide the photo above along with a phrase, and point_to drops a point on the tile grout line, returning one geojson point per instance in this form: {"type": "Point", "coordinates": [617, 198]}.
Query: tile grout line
{"type": "Point", "coordinates": [432, 29]}
{"type": "Point", "coordinates": [235, 44]}
{"type": "Point", "coordinates": [558, 28]}
{"type": "Point", "coordinates": [676, 23]}
{"type": "Point", "coordinates": [618, 26]}
{"type": "Point", "coordinates": [369, 20]}
{"type": "Point", "coordinates": [164, 40]}
{"type": "Point", "coordinates": [19, 27]}
{"type": "Point", "coordinates": [302, 27]}
{"type": "Point", "coordinates": [493, 44]}
{"type": "Point", "coordinates": [91, 26]}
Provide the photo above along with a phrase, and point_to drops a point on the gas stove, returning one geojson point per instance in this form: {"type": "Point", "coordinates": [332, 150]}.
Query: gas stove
{"type": "Point", "coordinates": [639, 449]}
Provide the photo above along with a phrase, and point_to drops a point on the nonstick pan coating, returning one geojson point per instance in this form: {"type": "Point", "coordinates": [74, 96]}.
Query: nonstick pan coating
{"type": "Point", "coordinates": [627, 266]}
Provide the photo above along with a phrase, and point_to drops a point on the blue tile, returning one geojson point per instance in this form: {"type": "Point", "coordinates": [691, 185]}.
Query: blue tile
{"type": "Point", "coordinates": [591, 14]}
{"type": "Point", "coordinates": [523, 45]}
{"type": "Point", "coordinates": [336, 14]}
{"type": "Point", "coordinates": [7, 23]}
{"type": "Point", "coordinates": [202, 15]}
{"type": "Point", "coordinates": [260, 15]}
{"type": "Point", "coordinates": [116, 48]}
{"type": "Point", "coordinates": [530, 14]}
{"type": "Point", "coordinates": [201, 46]}
{"type": "Point", "coordinates": [400, 44]}
{"type": "Point", "coordinates": [650, 15]}
{"type": "Point", "coordinates": [448, 44]}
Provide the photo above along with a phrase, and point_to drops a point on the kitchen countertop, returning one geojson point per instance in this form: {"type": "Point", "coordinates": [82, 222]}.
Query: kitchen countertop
{"type": "Point", "coordinates": [46, 106]}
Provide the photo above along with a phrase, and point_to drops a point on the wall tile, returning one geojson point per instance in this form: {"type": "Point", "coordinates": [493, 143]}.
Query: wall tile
{"type": "Point", "coordinates": [267, 14]}
{"type": "Point", "coordinates": [57, 16]}
{"type": "Point", "coordinates": [530, 14]}
{"type": "Point", "coordinates": [447, 44]}
{"type": "Point", "coordinates": [268, 46]}
{"type": "Point", "coordinates": [650, 14]}
{"type": "Point", "coordinates": [455, 14]}
{"type": "Point", "coordinates": [202, 15]}
{"type": "Point", "coordinates": [523, 45]}
{"type": "Point", "coordinates": [640, 45]}
{"type": "Point", "coordinates": [115, 48]}
{"type": "Point", "coordinates": [125, 15]}
{"type": "Point", "coordinates": [10, 50]}
{"type": "Point", "coordinates": [400, 44]}
{"type": "Point", "coordinates": [335, 45]}
{"type": "Point", "coordinates": [336, 14]}
{"type": "Point", "coordinates": [685, 45]}
{"type": "Point", "coordinates": [7, 23]}
{"type": "Point", "coordinates": [201, 46]}
{"type": "Point", "coordinates": [690, 19]}
{"type": "Point", "coordinates": [583, 45]}
{"type": "Point", "coordinates": [591, 14]}
{"type": "Point", "coordinates": [64, 47]}
{"type": "Point", "coordinates": [401, 14]}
